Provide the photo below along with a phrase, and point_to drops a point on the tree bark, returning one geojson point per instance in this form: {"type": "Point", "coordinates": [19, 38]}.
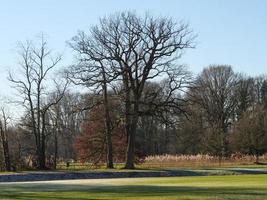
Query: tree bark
{"type": "Point", "coordinates": [6, 156]}
{"type": "Point", "coordinates": [4, 138]}
{"type": "Point", "coordinates": [130, 157]}
{"type": "Point", "coordinates": [55, 151]}
{"type": "Point", "coordinates": [108, 128]}
{"type": "Point", "coordinates": [107, 121]}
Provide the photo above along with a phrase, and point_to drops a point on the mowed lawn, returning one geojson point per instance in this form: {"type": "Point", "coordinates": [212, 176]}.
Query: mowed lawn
{"type": "Point", "coordinates": [183, 188]}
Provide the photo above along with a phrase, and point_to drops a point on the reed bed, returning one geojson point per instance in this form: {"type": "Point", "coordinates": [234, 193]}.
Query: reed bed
{"type": "Point", "coordinates": [199, 160]}
{"type": "Point", "coordinates": [174, 161]}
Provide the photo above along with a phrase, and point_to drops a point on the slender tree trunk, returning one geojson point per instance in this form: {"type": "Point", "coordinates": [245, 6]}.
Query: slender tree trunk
{"type": "Point", "coordinates": [224, 139]}
{"type": "Point", "coordinates": [4, 138]}
{"type": "Point", "coordinates": [108, 129]}
{"type": "Point", "coordinates": [257, 157]}
{"type": "Point", "coordinates": [42, 156]}
{"type": "Point", "coordinates": [127, 108]}
{"type": "Point", "coordinates": [39, 138]}
{"type": "Point", "coordinates": [107, 122]}
{"type": "Point", "coordinates": [55, 151]}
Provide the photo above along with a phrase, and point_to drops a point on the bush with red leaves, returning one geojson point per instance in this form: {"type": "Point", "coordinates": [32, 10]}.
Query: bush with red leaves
{"type": "Point", "coordinates": [91, 144]}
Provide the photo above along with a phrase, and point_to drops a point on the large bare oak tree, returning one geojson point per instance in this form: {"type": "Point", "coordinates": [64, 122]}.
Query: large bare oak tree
{"type": "Point", "coordinates": [135, 50]}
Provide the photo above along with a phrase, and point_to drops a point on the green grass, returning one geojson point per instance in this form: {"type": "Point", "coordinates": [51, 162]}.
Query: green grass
{"type": "Point", "coordinates": [181, 188]}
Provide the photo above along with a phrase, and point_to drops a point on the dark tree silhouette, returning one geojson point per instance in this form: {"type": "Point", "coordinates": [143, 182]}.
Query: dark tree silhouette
{"type": "Point", "coordinates": [136, 50]}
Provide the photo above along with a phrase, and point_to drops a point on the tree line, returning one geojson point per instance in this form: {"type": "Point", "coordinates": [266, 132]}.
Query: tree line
{"type": "Point", "coordinates": [126, 97]}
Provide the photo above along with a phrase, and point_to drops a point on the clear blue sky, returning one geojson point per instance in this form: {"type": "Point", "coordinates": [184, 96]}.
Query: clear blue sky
{"type": "Point", "coordinates": [229, 31]}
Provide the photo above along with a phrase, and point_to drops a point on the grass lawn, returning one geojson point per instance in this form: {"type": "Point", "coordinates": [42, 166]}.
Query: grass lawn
{"type": "Point", "coordinates": [182, 188]}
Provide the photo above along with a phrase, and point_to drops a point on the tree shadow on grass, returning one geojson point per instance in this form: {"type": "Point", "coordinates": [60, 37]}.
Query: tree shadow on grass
{"type": "Point", "coordinates": [83, 192]}
{"type": "Point", "coordinates": [249, 171]}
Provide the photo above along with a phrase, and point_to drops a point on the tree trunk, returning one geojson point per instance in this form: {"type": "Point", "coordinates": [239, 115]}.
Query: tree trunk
{"type": "Point", "coordinates": [130, 150]}
{"type": "Point", "coordinates": [107, 122]}
{"type": "Point", "coordinates": [128, 124]}
{"type": "Point", "coordinates": [109, 152]}
{"type": "Point", "coordinates": [41, 159]}
{"type": "Point", "coordinates": [42, 163]}
{"type": "Point", "coordinates": [3, 130]}
{"type": "Point", "coordinates": [55, 151]}
{"type": "Point", "coordinates": [7, 156]}
{"type": "Point", "coordinates": [108, 134]}
{"type": "Point", "coordinates": [131, 142]}
{"type": "Point", "coordinates": [257, 157]}
{"type": "Point", "coordinates": [41, 152]}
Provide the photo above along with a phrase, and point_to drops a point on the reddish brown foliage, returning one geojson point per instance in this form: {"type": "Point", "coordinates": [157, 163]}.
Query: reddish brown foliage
{"type": "Point", "coordinates": [91, 144]}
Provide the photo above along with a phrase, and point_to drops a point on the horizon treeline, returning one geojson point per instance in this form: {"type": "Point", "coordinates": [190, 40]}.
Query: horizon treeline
{"type": "Point", "coordinates": [139, 100]}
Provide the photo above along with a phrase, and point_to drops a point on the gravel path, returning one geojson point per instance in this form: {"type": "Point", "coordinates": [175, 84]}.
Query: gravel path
{"type": "Point", "coordinates": [46, 176]}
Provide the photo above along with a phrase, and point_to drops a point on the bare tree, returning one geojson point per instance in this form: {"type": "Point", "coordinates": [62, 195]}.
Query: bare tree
{"type": "Point", "coordinates": [215, 92]}
{"type": "Point", "coordinates": [93, 72]}
{"type": "Point", "coordinates": [249, 134]}
{"type": "Point", "coordinates": [244, 95]}
{"type": "Point", "coordinates": [138, 49]}
{"type": "Point", "coordinates": [4, 138]}
{"type": "Point", "coordinates": [64, 124]}
{"type": "Point", "coordinates": [36, 63]}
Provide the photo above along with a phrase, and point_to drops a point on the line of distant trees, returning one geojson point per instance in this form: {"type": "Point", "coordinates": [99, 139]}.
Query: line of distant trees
{"type": "Point", "coordinates": [138, 101]}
